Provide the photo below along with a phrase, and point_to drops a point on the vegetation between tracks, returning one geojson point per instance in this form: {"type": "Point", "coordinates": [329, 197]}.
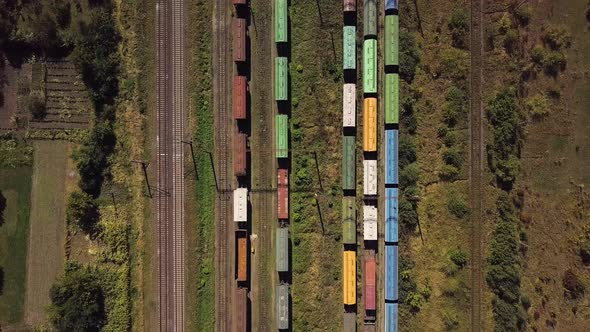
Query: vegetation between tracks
{"type": "Point", "coordinates": [201, 293]}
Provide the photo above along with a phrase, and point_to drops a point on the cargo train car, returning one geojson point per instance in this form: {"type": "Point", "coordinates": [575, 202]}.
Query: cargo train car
{"type": "Point", "coordinates": [241, 205]}
{"type": "Point", "coordinates": [390, 5]}
{"type": "Point", "coordinates": [240, 2]}
{"type": "Point", "coordinates": [283, 202]}
{"type": "Point", "coordinates": [349, 280]}
{"type": "Point", "coordinates": [348, 163]}
{"type": "Point", "coordinates": [241, 255]}
{"type": "Point", "coordinates": [370, 177]}
{"type": "Point", "coordinates": [282, 248]}
{"type": "Point", "coordinates": [391, 215]}
{"type": "Point", "coordinates": [391, 270]}
{"type": "Point", "coordinates": [370, 18]}
{"type": "Point", "coordinates": [370, 125]}
{"type": "Point", "coordinates": [391, 317]}
{"type": "Point", "coordinates": [391, 98]}
{"type": "Point", "coordinates": [282, 306]}
{"type": "Point", "coordinates": [369, 327]}
{"type": "Point", "coordinates": [349, 5]}
{"type": "Point", "coordinates": [241, 309]}
{"type": "Point", "coordinates": [240, 156]}
{"type": "Point", "coordinates": [370, 283]}
{"type": "Point", "coordinates": [281, 78]}
{"type": "Point", "coordinates": [349, 105]}
{"type": "Point", "coordinates": [282, 177]}
{"type": "Point", "coordinates": [391, 40]}
{"type": "Point", "coordinates": [369, 223]}
{"type": "Point", "coordinates": [348, 220]}
{"type": "Point", "coordinates": [391, 155]}
{"type": "Point", "coordinates": [239, 39]}
{"type": "Point", "coordinates": [370, 66]}
{"type": "Point", "coordinates": [349, 47]}
{"type": "Point", "coordinates": [239, 97]}
{"type": "Point", "coordinates": [282, 135]}
{"type": "Point", "coordinates": [349, 322]}
{"type": "Point", "coordinates": [281, 21]}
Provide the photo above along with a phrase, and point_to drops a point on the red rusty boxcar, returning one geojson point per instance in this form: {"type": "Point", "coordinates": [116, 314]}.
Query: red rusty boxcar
{"type": "Point", "coordinates": [239, 97]}
{"type": "Point", "coordinates": [283, 202]}
{"type": "Point", "coordinates": [349, 5]}
{"type": "Point", "coordinates": [283, 177]}
{"type": "Point", "coordinates": [240, 2]}
{"type": "Point", "coordinates": [241, 306]}
{"type": "Point", "coordinates": [370, 275]}
{"type": "Point", "coordinates": [239, 39]}
{"type": "Point", "coordinates": [240, 154]}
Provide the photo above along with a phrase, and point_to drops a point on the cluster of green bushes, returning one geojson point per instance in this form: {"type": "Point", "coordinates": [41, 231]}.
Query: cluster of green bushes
{"type": "Point", "coordinates": [550, 55]}
{"type": "Point", "coordinates": [454, 112]}
{"type": "Point", "coordinates": [504, 269]}
{"type": "Point", "coordinates": [503, 154]}
{"type": "Point", "coordinates": [15, 153]}
{"type": "Point", "coordinates": [410, 293]}
{"type": "Point", "coordinates": [409, 169]}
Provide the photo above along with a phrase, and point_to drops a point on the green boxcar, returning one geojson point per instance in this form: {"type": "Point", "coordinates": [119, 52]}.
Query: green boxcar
{"type": "Point", "coordinates": [348, 163]}
{"type": "Point", "coordinates": [349, 47]}
{"type": "Point", "coordinates": [282, 138]}
{"type": "Point", "coordinates": [281, 78]}
{"type": "Point", "coordinates": [391, 98]}
{"type": "Point", "coordinates": [282, 249]}
{"type": "Point", "coordinates": [370, 66]}
{"type": "Point", "coordinates": [348, 220]}
{"type": "Point", "coordinates": [281, 16]}
{"type": "Point", "coordinates": [391, 40]}
{"type": "Point", "coordinates": [370, 17]}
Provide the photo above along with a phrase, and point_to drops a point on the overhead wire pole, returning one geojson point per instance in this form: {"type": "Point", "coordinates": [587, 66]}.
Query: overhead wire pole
{"type": "Point", "coordinates": [144, 167]}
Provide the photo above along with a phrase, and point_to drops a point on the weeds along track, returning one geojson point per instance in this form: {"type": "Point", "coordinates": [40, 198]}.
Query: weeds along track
{"type": "Point", "coordinates": [223, 321]}
{"type": "Point", "coordinates": [476, 164]}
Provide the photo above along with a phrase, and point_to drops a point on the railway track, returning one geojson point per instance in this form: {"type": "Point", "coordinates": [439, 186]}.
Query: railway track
{"type": "Point", "coordinates": [170, 119]}
{"type": "Point", "coordinates": [223, 294]}
{"type": "Point", "coordinates": [476, 164]}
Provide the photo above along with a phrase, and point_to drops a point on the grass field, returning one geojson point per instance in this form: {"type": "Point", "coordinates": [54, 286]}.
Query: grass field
{"type": "Point", "coordinates": [15, 185]}
{"type": "Point", "coordinates": [316, 82]}
{"type": "Point", "coordinates": [48, 226]}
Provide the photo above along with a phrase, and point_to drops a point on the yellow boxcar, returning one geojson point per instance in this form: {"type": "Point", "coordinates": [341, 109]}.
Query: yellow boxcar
{"type": "Point", "coordinates": [349, 269]}
{"type": "Point", "coordinates": [370, 125]}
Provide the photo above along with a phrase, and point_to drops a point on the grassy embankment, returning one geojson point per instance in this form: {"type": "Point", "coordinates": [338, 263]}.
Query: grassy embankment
{"type": "Point", "coordinates": [434, 239]}
{"type": "Point", "coordinates": [536, 147]}
{"type": "Point", "coordinates": [316, 85]}
{"type": "Point", "coordinates": [200, 208]}
{"type": "Point", "coordinates": [15, 188]}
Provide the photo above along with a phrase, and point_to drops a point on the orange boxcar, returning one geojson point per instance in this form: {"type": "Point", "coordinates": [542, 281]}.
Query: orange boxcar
{"type": "Point", "coordinates": [239, 39]}
{"type": "Point", "coordinates": [240, 154]}
{"type": "Point", "coordinates": [241, 306]}
{"type": "Point", "coordinates": [283, 202]}
{"type": "Point", "coordinates": [370, 296]}
{"type": "Point", "coordinates": [242, 252]}
{"type": "Point", "coordinates": [239, 97]}
{"type": "Point", "coordinates": [370, 125]}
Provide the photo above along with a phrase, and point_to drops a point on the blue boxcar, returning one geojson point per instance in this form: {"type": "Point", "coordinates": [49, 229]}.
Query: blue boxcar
{"type": "Point", "coordinates": [390, 317]}
{"type": "Point", "coordinates": [391, 216]}
{"type": "Point", "coordinates": [391, 272]}
{"type": "Point", "coordinates": [390, 4]}
{"type": "Point", "coordinates": [391, 152]}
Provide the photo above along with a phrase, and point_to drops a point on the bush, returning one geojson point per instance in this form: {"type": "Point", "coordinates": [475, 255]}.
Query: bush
{"type": "Point", "coordinates": [454, 63]}
{"type": "Point", "coordinates": [523, 14]}
{"type": "Point", "coordinates": [458, 257]}
{"type": "Point", "coordinates": [557, 37]}
{"type": "Point", "coordinates": [35, 105]}
{"type": "Point", "coordinates": [584, 248]}
{"type": "Point", "coordinates": [453, 156]}
{"type": "Point", "coordinates": [451, 138]}
{"type": "Point", "coordinates": [554, 62]}
{"type": "Point", "coordinates": [409, 56]}
{"type": "Point", "coordinates": [538, 55]}
{"type": "Point", "coordinates": [449, 173]}
{"type": "Point", "coordinates": [537, 106]}
{"type": "Point", "coordinates": [407, 151]}
{"type": "Point", "coordinates": [2, 207]}
{"type": "Point", "coordinates": [459, 26]}
{"type": "Point", "coordinates": [77, 301]}
{"type": "Point", "coordinates": [455, 106]}
{"type": "Point", "coordinates": [82, 212]}
{"type": "Point", "coordinates": [408, 217]}
{"type": "Point", "coordinates": [409, 175]}
{"type": "Point", "coordinates": [510, 41]}
{"type": "Point", "coordinates": [574, 287]}
{"type": "Point", "coordinates": [457, 206]}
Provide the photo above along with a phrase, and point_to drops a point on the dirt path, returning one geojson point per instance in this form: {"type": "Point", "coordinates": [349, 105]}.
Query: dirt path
{"type": "Point", "coordinates": [476, 164]}
{"type": "Point", "coordinates": [263, 166]}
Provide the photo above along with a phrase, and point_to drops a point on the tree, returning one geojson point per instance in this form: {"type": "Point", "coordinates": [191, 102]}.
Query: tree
{"type": "Point", "coordinates": [36, 105]}
{"type": "Point", "coordinates": [409, 56]}
{"type": "Point", "coordinates": [1, 280]}
{"type": "Point", "coordinates": [408, 217]}
{"type": "Point", "coordinates": [82, 212]}
{"type": "Point", "coordinates": [457, 206]}
{"type": "Point", "coordinates": [458, 25]}
{"type": "Point", "coordinates": [407, 151]}
{"type": "Point", "coordinates": [454, 107]}
{"type": "Point", "coordinates": [77, 301]}
{"type": "Point", "coordinates": [2, 207]}
{"type": "Point", "coordinates": [409, 175]}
